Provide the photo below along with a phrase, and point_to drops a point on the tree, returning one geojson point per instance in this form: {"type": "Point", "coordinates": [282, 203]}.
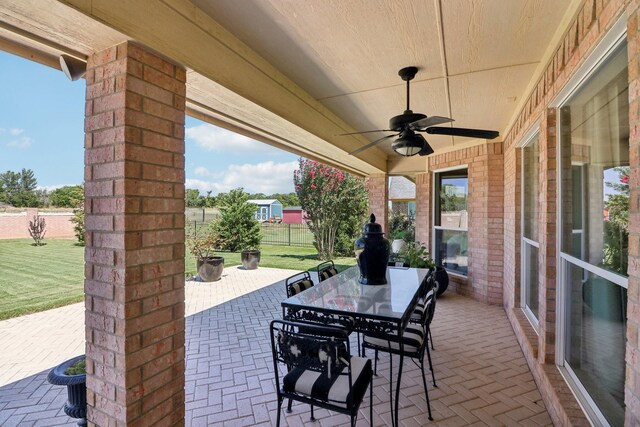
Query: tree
{"type": "Point", "coordinates": [336, 205]}
{"type": "Point", "coordinates": [18, 188]}
{"type": "Point", "coordinates": [191, 196]}
{"type": "Point", "coordinates": [616, 229]}
{"type": "Point", "coordinates": [236, 228]}
{"type": "Point", "coordinates": [69, 196]}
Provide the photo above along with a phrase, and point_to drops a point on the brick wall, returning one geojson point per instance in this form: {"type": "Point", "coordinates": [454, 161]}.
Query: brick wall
{"type": "Point", "coordinates": [593, 20]}
{"type": "Point", "coordinates": [632, 383]}
{"type": "Point", "coordinates": [134, 257]}
{"type": "Point", "coordinates": [423, 208]}
{"type": "Point", "coordinates": [378, 187]}
{"type": "Point", "coordinates": [16, 225]}
{"type": "Point", "coordinates": [484, 165]}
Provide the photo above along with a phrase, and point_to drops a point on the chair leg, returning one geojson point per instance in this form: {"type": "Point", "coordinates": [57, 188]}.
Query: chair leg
{"type": "Point", "coordinates": [371, 402]}
{"type": "Point", "coordinates": [312, 417]}
{"type": "Point", "coordinates": [426, 392]}
{"type": "Point", "coordinates": [280, 399]}
{"type": "Point", "coordinates": [289, 405]}
{"type": "Point", "coordinates": [433, 375]}
{"type": "Point", "coordinates": [431, 339]}
{"type": "Point", "coordinates": [375, 364]}
{"type": "Point", "coordinates": [393, 424]}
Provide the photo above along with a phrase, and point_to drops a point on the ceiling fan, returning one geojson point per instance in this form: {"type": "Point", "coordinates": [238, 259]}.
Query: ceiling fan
{"type": "Point", "coordinates": [405, 126]}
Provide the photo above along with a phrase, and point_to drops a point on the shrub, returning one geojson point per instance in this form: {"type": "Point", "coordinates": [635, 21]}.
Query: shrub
{"type": "Point", "coordinates": [236, 228]}
{"type": "Point", "coordinates": [201, 242]}
{"type": "Point", "coordinates": [401, 227]}
{"type": "Point", "coordinates": [78, 223]}
{"type": "Point", "coordinates": [417, 256]}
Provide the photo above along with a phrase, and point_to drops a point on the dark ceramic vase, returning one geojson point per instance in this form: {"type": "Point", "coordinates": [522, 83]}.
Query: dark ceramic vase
{"type": "Point", "coordinates": [372, 254]}
{"type": "Point", "coordinates": [250, 259]}
{"type": "Point", "coordinates": [76, 404]}
{"type": "Point", "coordinates": [442, 277]}
{"type": "Point", "coordinates": [210, 268]}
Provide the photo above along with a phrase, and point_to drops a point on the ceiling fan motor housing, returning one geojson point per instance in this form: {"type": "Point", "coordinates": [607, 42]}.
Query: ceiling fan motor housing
{"type": "Point", "coordinates": [401, 122]}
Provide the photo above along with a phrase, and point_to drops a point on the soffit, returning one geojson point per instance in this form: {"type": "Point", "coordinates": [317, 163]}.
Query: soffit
{"type": "Point", "coordinates": [297, 73]}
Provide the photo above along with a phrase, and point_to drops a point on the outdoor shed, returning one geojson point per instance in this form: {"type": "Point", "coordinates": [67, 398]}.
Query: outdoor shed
{"type": "Point", "coordinates": [267, 209]}
{"type": "Point", "coordinates": [293, 215]}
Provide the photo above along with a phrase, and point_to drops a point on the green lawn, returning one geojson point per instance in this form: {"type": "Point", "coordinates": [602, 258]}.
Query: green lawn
{"type": "Point", "coordinates": [39, 278]}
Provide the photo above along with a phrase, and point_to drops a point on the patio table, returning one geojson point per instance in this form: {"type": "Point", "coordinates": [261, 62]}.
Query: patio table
{"type": "Point", "coordinates": [370, 309]}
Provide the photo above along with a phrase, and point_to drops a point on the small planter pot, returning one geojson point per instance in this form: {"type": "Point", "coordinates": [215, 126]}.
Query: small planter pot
{"type": "Point", "coordinates": [210, 268]}
{"type": "Point", "coordinates": [397, 245]}
{"type": "Point", "coordinates": [250, 259]}
{"type": "Point", "coordinates": [76, 405]}
{"type": "Point", "coordinates": [442, 277]}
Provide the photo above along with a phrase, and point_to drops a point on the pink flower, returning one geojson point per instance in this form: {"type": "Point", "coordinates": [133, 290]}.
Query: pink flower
{"type": "Point", "coordinates": [313, 186]}
{"type": "Point", "coordinates": [624, 179]}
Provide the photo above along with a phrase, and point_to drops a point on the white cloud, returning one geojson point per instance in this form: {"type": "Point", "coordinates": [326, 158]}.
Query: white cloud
{"type": "Point", "coordinates": [213, 138]}
{"type": "Point", "coordinates": [15, 131]}
{"type": "Point", "coordinates": [22, 142]}
{"type": "Point", "coordinates": [267, 177]}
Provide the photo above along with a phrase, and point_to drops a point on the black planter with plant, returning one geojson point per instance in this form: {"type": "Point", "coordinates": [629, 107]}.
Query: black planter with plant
{"type": "Point", "coordinates": [71, 373]}
{"type": "Point", "coordinates": [210, 268]}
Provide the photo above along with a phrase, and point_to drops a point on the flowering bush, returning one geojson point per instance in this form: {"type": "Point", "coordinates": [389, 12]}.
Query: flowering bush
{"type": "Point", "coordinates": [335, 203]}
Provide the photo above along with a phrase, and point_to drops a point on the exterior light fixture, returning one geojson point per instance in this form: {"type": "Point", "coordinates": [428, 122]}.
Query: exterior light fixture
{"type": "Point", "coordinates": [73, 68]}
{"type": "Point", "coordinates": [409, 143]}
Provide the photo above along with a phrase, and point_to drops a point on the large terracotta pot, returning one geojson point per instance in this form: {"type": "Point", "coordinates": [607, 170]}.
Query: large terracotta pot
{"type": "Point", "coordinates": [210, 268]}
{"type": "Point", "coordinates": [76, 404]}
{"type": "Point", "coordinates": [250, 259]}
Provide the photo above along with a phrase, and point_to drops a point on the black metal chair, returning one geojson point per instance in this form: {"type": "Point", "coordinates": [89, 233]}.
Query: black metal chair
{"type": "Point", "coordinates": [414, 339]}
{"type": "Point", "coordinates": [298, 283]}
{"type": "Point", "coordinates": [325, 270]}
{"type": "Point", "coordinates": [319, 369]}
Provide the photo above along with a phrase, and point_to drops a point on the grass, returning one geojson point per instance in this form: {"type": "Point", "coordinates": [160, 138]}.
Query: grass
{"type": "Point", "coordinates": [35, 278]}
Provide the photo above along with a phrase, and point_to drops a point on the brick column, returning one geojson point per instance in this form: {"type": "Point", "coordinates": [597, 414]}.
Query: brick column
{"type": "Point", "coordinates": [378, 186]}
{"type": "Point", "coordinates": [486, 224]}
{"type": "Point", "coordinates": [547, 238]}
{"type": "Point", "coordinates": [632, 381]}
{"type": "Point", "coordinates": [134, 256]}
{"type": "Point", "coordinates": [423, 209]}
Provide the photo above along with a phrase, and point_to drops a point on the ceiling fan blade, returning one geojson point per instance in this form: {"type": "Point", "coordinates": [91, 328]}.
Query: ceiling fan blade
{"type": "Point", "coordinates": [471, 133]}
{"type": "Point", "coordinates": [376, 142]}
{"type": "Point", "coordinates": [429, 121]}
{"type": "Point", "coordinates": [366, 131]}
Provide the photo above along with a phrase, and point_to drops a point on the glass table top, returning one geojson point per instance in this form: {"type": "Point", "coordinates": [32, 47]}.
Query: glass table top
{"type": "Point", "coordinates": [343, 294]}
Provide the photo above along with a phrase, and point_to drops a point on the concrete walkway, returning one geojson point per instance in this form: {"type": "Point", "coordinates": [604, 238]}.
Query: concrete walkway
{"type": "Point", "coordinates": [482, 376]}
{"type": "Point", "coordinates": [39, 341]}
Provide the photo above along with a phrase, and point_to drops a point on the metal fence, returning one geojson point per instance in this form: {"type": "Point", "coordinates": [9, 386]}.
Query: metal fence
{"type": "Point", "coordinates": [286, 234]}
{"type": "Point", "coordinates": [272, 234]}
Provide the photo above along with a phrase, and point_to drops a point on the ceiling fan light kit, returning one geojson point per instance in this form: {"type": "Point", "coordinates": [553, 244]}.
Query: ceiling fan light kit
{"type": "Point", "coordinates": [409, 143]}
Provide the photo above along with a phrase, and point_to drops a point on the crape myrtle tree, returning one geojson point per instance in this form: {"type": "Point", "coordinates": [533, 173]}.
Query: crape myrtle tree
{"type": "Point", "coordinates": [336, 206]}
{"type": "Point", "coordinates": [616, 228]}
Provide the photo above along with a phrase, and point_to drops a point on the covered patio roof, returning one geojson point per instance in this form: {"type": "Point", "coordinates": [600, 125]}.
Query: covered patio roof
{"type": "Point", "coordinates": [297, 74]}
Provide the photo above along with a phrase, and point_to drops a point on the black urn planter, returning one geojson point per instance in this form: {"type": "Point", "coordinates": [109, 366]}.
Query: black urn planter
{"type": "Point", "coordinates": [372, 254]}
{"type": "Point", "coordinates": [442, 277]}
{"type": "Point", "coordinates": [210, 268]}
{"type": "Point", "coordinates": [250, 259]}
{"type": "Point", "coordinates": [76, 405]}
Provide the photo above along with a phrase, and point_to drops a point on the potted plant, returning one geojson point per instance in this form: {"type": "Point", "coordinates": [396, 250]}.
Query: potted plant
{"type": "Point", "coordinates": [397, 240]}
{"type": "Point", "coordinates": [237, 229]}
{"type": "Point", "coordinates": [201, 244]}
{"type": "Point", "coordinates": [416, 255]}
{"type": "Point", "coordinates": [72, 373]}
{"type": "Point", "coordinates": [400, 231]}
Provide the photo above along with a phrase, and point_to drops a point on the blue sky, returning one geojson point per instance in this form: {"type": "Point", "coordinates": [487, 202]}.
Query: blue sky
{"type": "Point", "coordinates": [41, 128]}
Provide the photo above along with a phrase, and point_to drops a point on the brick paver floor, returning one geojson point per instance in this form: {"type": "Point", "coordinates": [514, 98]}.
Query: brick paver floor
{"type": "Point", "coordinates": [480, 370]}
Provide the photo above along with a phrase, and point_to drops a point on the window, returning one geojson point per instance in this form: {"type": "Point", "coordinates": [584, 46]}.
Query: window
{"type": "Point", "coordinates": [530, 210]}
{"type": "Point", "coordinates": [450, 222]}
{"type": "Point", "coordinates": [594, 206]}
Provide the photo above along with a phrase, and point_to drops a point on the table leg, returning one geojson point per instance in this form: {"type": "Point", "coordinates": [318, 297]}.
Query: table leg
{"type": "Point", "coordinates": [398, 385]}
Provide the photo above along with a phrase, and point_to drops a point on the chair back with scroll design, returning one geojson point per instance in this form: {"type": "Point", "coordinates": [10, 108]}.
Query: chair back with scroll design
{"type": "Point", "coordinates": [318, 368]}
